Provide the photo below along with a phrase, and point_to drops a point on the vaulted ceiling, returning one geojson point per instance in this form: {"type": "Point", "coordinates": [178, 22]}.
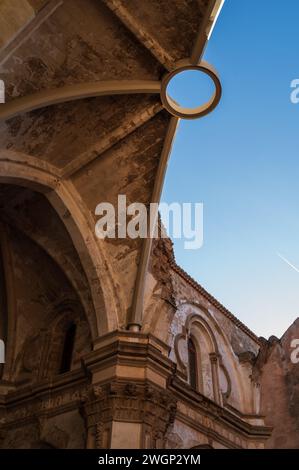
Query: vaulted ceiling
{"type": "Point", "coordinates": [83, 114]}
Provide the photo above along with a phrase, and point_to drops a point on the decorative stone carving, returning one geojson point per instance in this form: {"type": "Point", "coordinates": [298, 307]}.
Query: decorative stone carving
{"type": "Point", "coordinates": [208, 359]}
{"type": "Point", "coordinates": [130, 401]}
{"type": "Point", "coordinates": [160, 263]}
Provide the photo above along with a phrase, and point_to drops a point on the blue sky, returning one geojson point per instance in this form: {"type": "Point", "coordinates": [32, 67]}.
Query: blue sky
{"type": "Point", "coordinates": [242, 162]}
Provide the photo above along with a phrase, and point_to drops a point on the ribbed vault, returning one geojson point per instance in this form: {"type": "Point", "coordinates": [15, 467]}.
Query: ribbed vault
{"type": "Point", "coordinates": [83, 119]}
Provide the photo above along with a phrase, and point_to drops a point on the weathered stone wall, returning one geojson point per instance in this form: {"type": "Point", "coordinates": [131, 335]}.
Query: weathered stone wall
{"type": "Point", "coordinates": [14, 16]}
{"type": "Point", "coordinates": [279, 378]}
{"type": "Point", "coordinates": [78, 154]}
{"type": "Point", "coordinates": [172, 298]}
{"type": "Point", "coordinates": [64, 431]}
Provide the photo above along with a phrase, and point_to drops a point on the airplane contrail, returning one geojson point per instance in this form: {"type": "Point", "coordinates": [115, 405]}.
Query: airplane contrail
{"type": "Point", "coordinates": [288, 262]}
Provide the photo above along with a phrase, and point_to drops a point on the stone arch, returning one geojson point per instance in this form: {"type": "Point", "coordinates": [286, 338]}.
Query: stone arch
{"type": "Point", "coordinates": [65, 315]}
{"type": "Point", "coordinates": [27, 171]}
{"type": "Point", "coordinates": [206, 346]}
{"type": "Point", "coordinates": [233, 377]}
{"type": "Point", "coordinates": [197, 320]}
{"type": "Point", "coordinates": [55, 252]}
{"type": "Point", "coordinates": [41, 354]}
{"type": "Point", "coordinates": [234, 380]}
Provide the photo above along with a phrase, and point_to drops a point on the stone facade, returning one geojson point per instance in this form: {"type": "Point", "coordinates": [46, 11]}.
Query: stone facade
{"type": "Point", "coordinates": [97, 332]}
{"type": "Point", "coordinates": [278, 374]}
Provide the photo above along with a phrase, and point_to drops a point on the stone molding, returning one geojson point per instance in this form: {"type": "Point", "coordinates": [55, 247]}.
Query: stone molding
{"type": "Point", "coordinates": [124, 401]}
{"type": "Point", "coordinates": [128, 378]}
{"type": "Point", "coordinates": [230, 422]}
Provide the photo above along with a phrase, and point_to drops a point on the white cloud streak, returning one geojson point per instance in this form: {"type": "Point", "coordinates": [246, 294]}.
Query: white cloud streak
{"type": "Point", "coordinates": [288, 262]}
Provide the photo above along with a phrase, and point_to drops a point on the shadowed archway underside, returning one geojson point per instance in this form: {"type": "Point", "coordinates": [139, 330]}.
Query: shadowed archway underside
{"type": "Point", "coordinates": [83, 119]}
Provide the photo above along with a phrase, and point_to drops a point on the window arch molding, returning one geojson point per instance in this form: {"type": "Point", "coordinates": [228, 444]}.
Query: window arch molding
{"type": "Point", "coordinates": [194, 321]}
{"type": "Point", "coordinates": [66, 316]}
{"type": "Point", "coordinates": [208, 358]}
{"type": "Point", "coordinates": [194, 312]}
{"type": "Point", "coordinates": [41, 356]}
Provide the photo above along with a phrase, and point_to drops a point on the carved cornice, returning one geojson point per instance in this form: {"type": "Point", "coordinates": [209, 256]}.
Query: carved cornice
{"type": "Point", "coordinates": [43, 399]}
{"type": "Point", "coordinates": [232, 420]}
{"type": "Point", "coordinates": [130, 349]}
{"type": "Point", "coordinates": [125, 397]}
{"type": "Point", "coordinates": [129, 401]}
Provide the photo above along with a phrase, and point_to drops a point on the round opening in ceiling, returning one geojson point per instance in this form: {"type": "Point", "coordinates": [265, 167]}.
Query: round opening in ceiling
{"type": "Point", "coordinates": [191, 91]}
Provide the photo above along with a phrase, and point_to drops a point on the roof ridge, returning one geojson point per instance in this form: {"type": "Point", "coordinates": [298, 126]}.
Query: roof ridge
{"type": "Point", "coordinates": [214, 301]}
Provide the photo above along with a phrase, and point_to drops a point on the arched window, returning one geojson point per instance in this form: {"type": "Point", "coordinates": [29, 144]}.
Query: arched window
{"type": "Point", "coordinates": [68, 347]}
{"type": "Point", "coordinates": [204, 359]}
{"type": "Point", "coordinates": [192, 358]}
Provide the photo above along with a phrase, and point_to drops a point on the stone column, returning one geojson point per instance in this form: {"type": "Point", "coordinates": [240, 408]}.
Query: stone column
{"type": "Point", "coordinates": [128, 405]}
{"type": "Point", "coordinates": [214, 358]}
